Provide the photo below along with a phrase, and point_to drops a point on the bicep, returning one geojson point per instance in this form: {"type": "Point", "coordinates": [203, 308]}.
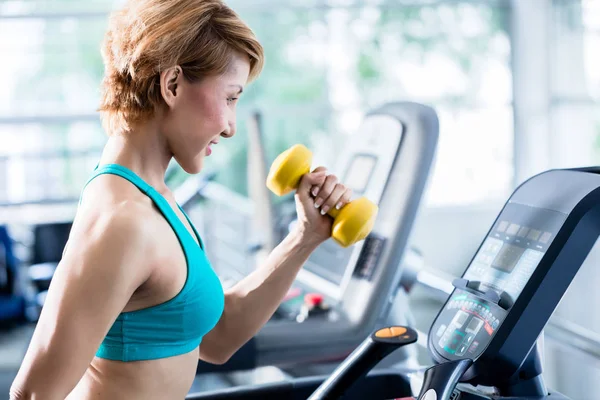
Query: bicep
{"type": "Point", "coordinates": [91, 286]}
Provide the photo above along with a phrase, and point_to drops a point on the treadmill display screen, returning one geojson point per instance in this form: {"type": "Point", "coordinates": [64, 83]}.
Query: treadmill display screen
{"type": "Point", "coordinates": [513, 249]}
{"type": "Point", "coordinates": [505, 263]}
{"type": "Point", "coordinates": [358, 173]}
{"type": "Point", "coordinates": [507, 257]}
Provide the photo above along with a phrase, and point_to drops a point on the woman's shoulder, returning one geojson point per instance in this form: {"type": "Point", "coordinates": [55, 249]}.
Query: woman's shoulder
{"type": "Point", "coordinates": [112, 191]}
{"type": "Point", "coordinates": [113, 213]}
{"type": "Point", "coordinates": [110, 243]}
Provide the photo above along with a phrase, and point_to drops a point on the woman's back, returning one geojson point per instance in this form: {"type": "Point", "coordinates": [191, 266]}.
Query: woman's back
{"type": "Point", "coordinates": [115, 216]}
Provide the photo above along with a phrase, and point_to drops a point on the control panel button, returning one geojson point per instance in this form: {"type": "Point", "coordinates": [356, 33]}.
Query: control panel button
{"type": "Point", "coordinates": [468, 339]}
{"type": "Point", "coordinates": [441, 330]}
{"type": "Point", "coordinates": [455, 341]}
{"type": "Point", "coordinates": [391, 332]}
{"type": "Point", "coordinates": [313, 299]}
{"type": "Point", "coordinates": [473, 347]}
{"type": "Point", "coordinates": [462, 350]}
{"type": "Point", "coordinates": [397, 330]}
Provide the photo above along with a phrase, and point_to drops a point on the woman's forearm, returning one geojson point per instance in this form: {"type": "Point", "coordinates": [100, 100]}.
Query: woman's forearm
{"type": "Point", "coordinates": [252, 301]}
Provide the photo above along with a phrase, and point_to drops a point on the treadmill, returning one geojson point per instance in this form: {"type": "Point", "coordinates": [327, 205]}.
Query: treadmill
{"type": "Point", "coordinates": [387, 161]}
{"type": "Point", "coordinates": [484, 341]}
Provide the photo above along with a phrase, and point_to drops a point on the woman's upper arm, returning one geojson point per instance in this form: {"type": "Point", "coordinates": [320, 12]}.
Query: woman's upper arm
{"type": "Point", "coordinates": [92, 284]}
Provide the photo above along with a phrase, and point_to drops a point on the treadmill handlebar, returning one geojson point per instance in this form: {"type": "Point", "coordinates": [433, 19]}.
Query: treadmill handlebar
{"type": "Point", "coordinates": [441, 379]}
{"type": "Point", "coordinates": [374, 349]}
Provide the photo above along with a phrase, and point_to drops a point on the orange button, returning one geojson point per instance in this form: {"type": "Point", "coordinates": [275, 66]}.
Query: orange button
{"type": "Point", "coordinates": [384, 333]}
{"type": "Point", "coordinates": [398, 330]}
{"type": "Point", "coordinates": [394, 331]}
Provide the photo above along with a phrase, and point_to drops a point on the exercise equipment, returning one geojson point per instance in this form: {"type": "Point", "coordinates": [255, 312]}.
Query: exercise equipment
{"type": "Point", "coordinates": [49, 241]}
{"type": "Point", "coordinates": [350, 290]}
{"type": "Point", "coordinates": [484, 341]}
{"type": "Point", "coordinates": [352, 223]}
{"type": "Point", "coordinates": [12, 299]}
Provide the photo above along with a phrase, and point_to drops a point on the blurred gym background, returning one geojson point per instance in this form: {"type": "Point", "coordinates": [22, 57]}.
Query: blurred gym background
{"type": "Point", "coordinates": [516, 85]}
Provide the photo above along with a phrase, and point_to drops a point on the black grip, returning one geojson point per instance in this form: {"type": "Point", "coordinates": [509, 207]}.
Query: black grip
{"type": "Point", "coordinates": [440, 380]}
{"type": "Point", "coordinates": [374, 349]}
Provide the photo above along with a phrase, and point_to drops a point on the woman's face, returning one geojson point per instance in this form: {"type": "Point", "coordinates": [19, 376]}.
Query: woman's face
{"type": "Point", "coordinates": [200, 114]}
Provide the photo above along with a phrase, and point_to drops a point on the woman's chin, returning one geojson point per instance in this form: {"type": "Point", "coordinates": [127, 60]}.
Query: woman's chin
{"type": "Point", "coordinates": [194, 166]}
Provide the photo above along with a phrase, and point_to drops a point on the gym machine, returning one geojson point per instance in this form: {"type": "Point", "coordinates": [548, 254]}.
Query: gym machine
{"type": "Point", "coordinates": [343, 292]}
{"type": "Point", "coordinates": [484, 341]}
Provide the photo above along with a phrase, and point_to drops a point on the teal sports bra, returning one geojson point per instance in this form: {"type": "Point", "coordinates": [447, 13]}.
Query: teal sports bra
{"type": "Point", "coordinates": [176, 326]}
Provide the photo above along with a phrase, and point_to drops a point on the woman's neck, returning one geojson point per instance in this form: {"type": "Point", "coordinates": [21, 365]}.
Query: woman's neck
{"type": "Point", "coordinates": [143, 150]}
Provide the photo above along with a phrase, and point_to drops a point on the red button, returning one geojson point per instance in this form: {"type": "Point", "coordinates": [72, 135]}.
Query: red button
{"type": "Point", "coordinates": [313, 299]}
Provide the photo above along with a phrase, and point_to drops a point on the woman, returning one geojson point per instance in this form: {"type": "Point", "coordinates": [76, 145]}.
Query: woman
{"type": "Point", "coordinates": [134, 302]}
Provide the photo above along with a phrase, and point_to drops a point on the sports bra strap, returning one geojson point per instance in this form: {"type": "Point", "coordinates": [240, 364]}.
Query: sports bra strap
{"type": "Point", "coordinates": [158, 199]}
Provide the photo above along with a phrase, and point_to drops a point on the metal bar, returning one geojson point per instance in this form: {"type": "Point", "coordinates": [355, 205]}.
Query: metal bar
{"type": "Point", "coordinates": [438, 285]}
{"type": "Point", "coordinates": [50, 155]}
{"type": "Point", "coordinates": [569, 100]}
{"type": "Point", "coordinates": [574, 337]}
{"type": "Point", "coordinates": [32, 214]}
{"type": "Point", "coordinates": [39, 202]}
{"type": "Point", "coordinates": [225, 196]}
{"type": "Point", "coordinates": [49, 15]}
{"type": "Point", "coordinates": [47, 119]}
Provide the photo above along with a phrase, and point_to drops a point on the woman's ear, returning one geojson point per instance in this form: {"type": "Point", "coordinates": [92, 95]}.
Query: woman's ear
{"type": "Point", "coordinates": [170, 80]}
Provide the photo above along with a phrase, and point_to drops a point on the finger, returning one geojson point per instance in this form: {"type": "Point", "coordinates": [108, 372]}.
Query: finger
{"type": "Point", "coordinates": [326, 190]}
{"type": "Point", "coordinates": [310, 180]}
{"type": "Point", "coordinates": [345, 199]}
{"type": "Point", "coordinates": [315, 189]}
{"type": "Point", "coordinates": [334, 198]}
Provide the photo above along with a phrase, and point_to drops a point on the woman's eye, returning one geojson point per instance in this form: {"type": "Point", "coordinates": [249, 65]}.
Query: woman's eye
{"type": "Point", "coordinates": [231, 100]}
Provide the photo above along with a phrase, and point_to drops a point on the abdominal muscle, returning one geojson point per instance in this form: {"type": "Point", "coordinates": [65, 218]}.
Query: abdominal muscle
{"type": "Point", "coordinates": [166, 378]}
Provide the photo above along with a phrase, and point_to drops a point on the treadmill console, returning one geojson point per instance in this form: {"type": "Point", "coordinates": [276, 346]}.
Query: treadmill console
{"type": "Point", "coordinates": [364, 166]}
{"type": "Point", "coordinates": [494, 280]}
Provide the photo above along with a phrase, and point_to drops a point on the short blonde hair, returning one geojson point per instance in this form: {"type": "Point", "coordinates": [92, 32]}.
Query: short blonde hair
{"type": "Point", "coordinates": [148, 36]}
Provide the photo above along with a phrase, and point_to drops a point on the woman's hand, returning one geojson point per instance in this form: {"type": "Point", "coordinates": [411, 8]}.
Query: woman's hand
{"type": "Point", "coordinates": [318, 193]}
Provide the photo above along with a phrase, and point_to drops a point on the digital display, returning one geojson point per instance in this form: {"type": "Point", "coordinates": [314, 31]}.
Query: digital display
{"type": "Point", "coordinates": [513, 229]}
{"type": "Point", "coordinates": [534, 234]}
{"type": "Point", "coordinates": [506, 261]}
{"type": "Point", "coordinates": [359, 172]}
{"type": "Point", "coordinates": [545, 237]}
{"type": "Point", "coordinates": [502, 226]}
{"type": "Point", "coordinates": [523, 232]}
{"type": "Point", "coordinates": [507, 257]}
{"type": "Point", "coordinates": [474, 326]}
{"type": "Point", "coordinates": [461, 318]}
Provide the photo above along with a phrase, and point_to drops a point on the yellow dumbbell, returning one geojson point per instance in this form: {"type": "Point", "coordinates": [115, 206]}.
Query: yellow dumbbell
{"type": "Point", "coordinates": [352, 223]}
